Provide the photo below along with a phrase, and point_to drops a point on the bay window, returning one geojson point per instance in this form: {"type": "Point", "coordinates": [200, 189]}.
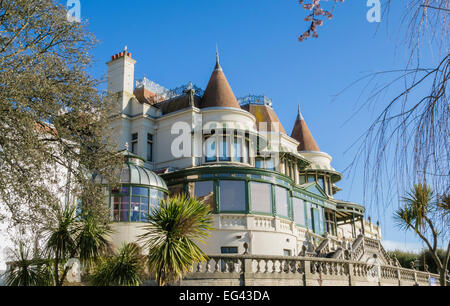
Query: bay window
{"type": "Point", "coordinates": [261, 197]}
{"type": "Point", "coordinates": [282, 201]}
{"type": "Point", "coordinates": [232, 196]}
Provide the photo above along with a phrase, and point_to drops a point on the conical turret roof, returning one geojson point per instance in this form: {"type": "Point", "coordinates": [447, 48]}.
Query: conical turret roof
{"type": "Point", "coordinates": [218, 93]}
{"type": "Point", "coordinates": [303, 135]}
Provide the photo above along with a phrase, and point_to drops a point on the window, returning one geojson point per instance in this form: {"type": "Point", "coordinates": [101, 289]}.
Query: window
{"type": "Point", "coordinates": [224, 150]}
{"type": "Point", "coordinates": [287, 252]}
{"type": "Point", "coordinates": [281, 199]}
{"type": "Point", "coordinates": [246, 152]}
{"type": "Point", "coordinates": [315, 220]}
{"type": "Point", "coordinates": [134, 143]}
{"type": "Point", "coordinates": [261, 197]}
{"type": "Point", "coordinates": [149, 147]}
{"type": "Point", "coordinates": [232, 196]}
{"type": "Point", "coordinates": [204, 191]}
{"type": "Point", "coordinates": [259, 163]}
{"type": "Point", "coordinates": [302, 179]}
{"type": "Point", "coordinates": [311, 178]}
{"type": "Point", "coordinates": [330, 221]}
{"type": "Point", "coordinates": [262, 163]}
{"type": "Point", "coordinates": [229, 250]}
{"type": "Point", "coordinates": [270, 164]}
{"type": "Point", "coordinates": [237, 150]}
{"type": "Point", "coordinates": [322, 183]}
{"type": "Point", "coordinates": [298, 206]}
{"type": "Point", "coordinates": [211, 150]}
{"type": "Point", "coordinates": [228, 264]}
{"type": "Point", "coordinates": [131, 204]}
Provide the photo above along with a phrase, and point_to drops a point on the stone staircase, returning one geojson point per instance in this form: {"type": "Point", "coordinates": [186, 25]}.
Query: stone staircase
{"type": "Point", "coordinates": [362, 249]}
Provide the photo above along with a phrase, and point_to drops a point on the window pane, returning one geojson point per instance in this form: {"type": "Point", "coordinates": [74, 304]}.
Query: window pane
{"type": "Point", "coordinates": [229, 250]}
{"type": "Point", "coordinates": [299, 211]}
{"type": "Point", "coordinates": [311, 178]}
{"type": "Point", "coordinates": [270, 164]}
{"type": "Point", "coordinates": [302, 179]}
{"type": "Point", "coordinates": [140, 191]}
{"type": "Point", "coordinates": [144, 209]}
{"type": "Point", "coordinates": [204, 191]}
{"type": "Point", "coordinates": [322, 182]}
{"type": "Point", "coordinates": [124, 216]}
{"type": "Point", "coordinates": [154, 199]}
{"type": "Point", "coordinates": [237, 149]}
{"type": "Point", "coordinates": [150, 151]}
{"type": "Point", "coordinates": [308, 215]}
{"type": "Point", "coordinates": [135, 209]}
{"type": "Point", "coordinates": [281, 198]}
{"type": "Point", "coordinates": [232, 196]}
{"type": "Point", "coordinates": [246, 152]}
{"type": "Point", "coordinates": [224, 149]}
{"type": "Point", "coordinates": [316, 220]}
{"type": "Point", "coordinates": [259, 163]}
{"type": "Point", "coordinates": [261, 196]}
{"type": "Point", "coordinates": [211, 149]}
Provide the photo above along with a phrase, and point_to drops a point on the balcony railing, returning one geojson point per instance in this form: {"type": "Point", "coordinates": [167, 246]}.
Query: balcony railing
{"type": "Point", "coordinates": [251, 270]}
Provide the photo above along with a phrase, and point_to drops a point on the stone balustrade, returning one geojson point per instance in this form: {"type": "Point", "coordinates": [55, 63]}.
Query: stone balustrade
{"type": "Point", "coordinates": [251, 270]}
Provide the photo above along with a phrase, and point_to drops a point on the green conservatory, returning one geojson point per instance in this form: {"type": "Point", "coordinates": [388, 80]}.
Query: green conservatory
{"type": "Point", "coordinates": [140, 190]}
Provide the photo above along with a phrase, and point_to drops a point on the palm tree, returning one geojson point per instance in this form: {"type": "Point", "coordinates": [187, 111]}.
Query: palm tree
{"type": "Point", "coordinates": [61, 241]}
{"type": "Point", "coordinates": [122, 269]}
{"type": "Point", "coordinates": [170, 236]}
{"type": "Point", "coordinates": [421, 214]}
{"type": "Point", "coordinates": [26, 271]}
{"type": "Point", "coordinates": [22, 272]}
{"type": "Point", "coordinates": [71, 235]}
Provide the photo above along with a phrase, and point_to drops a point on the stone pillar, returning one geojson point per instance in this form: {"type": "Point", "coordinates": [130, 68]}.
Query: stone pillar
{"type": "Point", "coordinates": [308, 276]}
{"type": "Point", "coordinates": [351, 281]}
{"type": "Point", "coordinates": [399, 276]}
{"type": "Point", "coordinates": [248, 273]}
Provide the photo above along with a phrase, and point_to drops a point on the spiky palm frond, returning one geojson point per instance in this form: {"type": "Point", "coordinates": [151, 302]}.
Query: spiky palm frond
{"type": "Point", "coordinates": [418, 204]}
{"type": "Point", "coordinates": [122, 269]}
{"type": "Point", "coordinates": [173, 227]}
{"type": "Point", "coordinates": [91, 239]}
{"type": "Point", "coordinates": [26, 271]}
{"type": "Point", "coordinates": [61, 233]}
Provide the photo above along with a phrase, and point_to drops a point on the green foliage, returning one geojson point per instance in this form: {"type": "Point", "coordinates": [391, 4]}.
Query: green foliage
{"type": "Point", "coordinates": [404, 258]}
{"type": "Point", "coordinates": [91, 239]}
{"type": "Point", "coordinates": [51, 114]}
{"type": "Point", "coordinates": [418, 204]}
{"type": "Point", "coordinates": [122, 269]}
{"type": "Point", "coordinates": [173, 227]}
{"type": "Point", "coordinates": [28, 272]}
{"type": "Point", "coordinates": [70, 235]}
{"type": "Point", "coordinates": [424, 215]}
{"type": "Point", "coordinates": [432, 267]}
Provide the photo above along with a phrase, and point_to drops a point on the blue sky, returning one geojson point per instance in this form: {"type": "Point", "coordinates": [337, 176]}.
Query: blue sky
{"type": "Point", "coordinates": [174, 42]}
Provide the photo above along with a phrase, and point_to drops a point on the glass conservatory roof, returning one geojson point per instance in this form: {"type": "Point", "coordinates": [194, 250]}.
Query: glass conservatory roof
{"type": "Point", "coordinates": [134, 172]}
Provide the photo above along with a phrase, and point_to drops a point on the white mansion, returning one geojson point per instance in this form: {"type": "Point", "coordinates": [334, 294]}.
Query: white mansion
{"type": "Point", "coordinates": [272, 193]}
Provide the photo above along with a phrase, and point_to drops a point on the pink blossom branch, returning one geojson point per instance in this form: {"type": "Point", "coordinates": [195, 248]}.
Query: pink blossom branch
{"type": "Point", "coordinates": [314, 17]}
